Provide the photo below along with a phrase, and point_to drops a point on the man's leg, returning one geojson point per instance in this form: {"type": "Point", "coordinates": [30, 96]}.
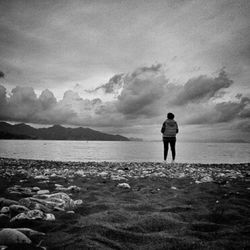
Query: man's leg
{"type": "Point", "coordinates": [172, 145]}
{"type": "Point", "coordinates": [165, 149]}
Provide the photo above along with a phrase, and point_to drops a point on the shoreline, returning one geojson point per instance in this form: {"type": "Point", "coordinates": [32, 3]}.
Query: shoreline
{"type": "Point", "coordinates": [128, 205]}
{"type": "Point", "coordinates": [125, 161]}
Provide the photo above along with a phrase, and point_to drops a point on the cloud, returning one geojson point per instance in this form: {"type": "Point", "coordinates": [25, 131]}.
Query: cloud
{"type": "Point", "coordinates": [145, 97]}
{"type": "Point", "coordinates": [47, 99]}
{"type": "Point", "coordinates": [233, 110]}
{"type": "Point", "coordinates": [1, 74]}
{"type": "Point", "coordinates": [23, 105]}
{"type": "Point", "coordinates": [212, 113]}
{"type": "Point", "coordinates": [243, 125]}
{"type": "Point", "coordinates": [202, 88]}
{"type": "Point", "coordinates": [142, 90]}
{"type": "Point", "coordinates": [112, 86]}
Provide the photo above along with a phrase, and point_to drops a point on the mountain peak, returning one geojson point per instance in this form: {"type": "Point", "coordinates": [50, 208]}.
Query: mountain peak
{"type": "Point", "coordinates": [57, 126]}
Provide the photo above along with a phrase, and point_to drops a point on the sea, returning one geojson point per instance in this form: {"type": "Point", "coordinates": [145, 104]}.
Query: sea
{"type": "Point", "coordinates": [119, 151]}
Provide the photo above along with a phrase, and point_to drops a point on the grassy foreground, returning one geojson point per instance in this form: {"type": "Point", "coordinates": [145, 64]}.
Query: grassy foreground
{"type": "Point", "coordinates": [181, 206]}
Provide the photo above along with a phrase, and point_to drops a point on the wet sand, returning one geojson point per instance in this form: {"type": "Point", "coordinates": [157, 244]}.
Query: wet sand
{"type": "Point", "coordinates": [181, 206]}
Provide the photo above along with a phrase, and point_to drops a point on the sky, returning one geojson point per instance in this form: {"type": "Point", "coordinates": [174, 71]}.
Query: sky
{"type": "Point", "coordinates": [120, 66]}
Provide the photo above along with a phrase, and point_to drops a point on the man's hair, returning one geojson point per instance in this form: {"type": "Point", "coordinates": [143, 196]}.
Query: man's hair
{"type": "Point", "coordinates": [170, 116]}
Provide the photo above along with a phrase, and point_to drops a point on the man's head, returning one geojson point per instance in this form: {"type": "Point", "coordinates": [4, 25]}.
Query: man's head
{"type": "Point", "coordinates": [170, 116]}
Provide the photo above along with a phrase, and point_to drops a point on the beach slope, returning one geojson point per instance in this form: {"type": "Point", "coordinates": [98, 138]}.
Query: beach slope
{"type": "Point", "coordinates": [109, 205]}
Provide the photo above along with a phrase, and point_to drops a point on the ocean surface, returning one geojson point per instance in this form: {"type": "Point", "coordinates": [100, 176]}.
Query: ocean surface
{"type": "Point", "coordinates": [124, 151]}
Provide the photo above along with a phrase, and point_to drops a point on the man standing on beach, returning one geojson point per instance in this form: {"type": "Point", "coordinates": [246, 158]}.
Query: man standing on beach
{"type": "Point", "coordinates": [169, 130]}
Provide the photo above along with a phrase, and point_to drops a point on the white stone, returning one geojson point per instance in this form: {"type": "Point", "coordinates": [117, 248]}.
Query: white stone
{"type": "Point", "coordinates": [206, 179]}
{"type": "Point", "coordinates": [41, 177]}
{"type": "Point", "coordinates": [43, 191]}
{"type": "Point", "coordinates": [50, 217]}
{"type": "Point", "coordinates": [70, 212]}
{"type": "Point", "coordinates": [124, 185]}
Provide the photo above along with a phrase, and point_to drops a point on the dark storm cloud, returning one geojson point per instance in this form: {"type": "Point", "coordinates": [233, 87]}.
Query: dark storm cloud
{"type": "Point", "coordinates": [121, 80]}
{"type": "Point", "coordinates": [154, 69]}
{"type": "Point", "coordinates": [233, 110]}
{"type": "Point", "coordinates": [116, 82]}
{"type": "Point", "coordinates": [202, 88]}
{"type": "Point", "coordinates": [1, 74]}
{"type": "Point", "coordinates": [223, 112]}
{"type": "Point", "coordinates": [243, 125]}
{"type": "Point", "coordinates": [141, 92]}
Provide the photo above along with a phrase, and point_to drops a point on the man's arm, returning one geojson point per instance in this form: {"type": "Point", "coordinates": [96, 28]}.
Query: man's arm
{"type": "Point", "coordinates": [163, 128]}
{"type": "Point", "coordinates": [177, 129]}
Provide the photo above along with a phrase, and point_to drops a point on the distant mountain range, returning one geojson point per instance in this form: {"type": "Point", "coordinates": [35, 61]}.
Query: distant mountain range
{"type": "Point", "coordinates": [56, 132]}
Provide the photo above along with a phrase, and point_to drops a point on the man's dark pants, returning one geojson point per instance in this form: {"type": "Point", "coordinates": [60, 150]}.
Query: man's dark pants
{"type": "Point", "coordinates": [171, 141]}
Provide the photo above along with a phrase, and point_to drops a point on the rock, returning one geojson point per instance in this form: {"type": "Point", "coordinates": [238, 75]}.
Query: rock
{"type": "Point", "coordinates": [174, 188]}
{"type": "Point", "coordinates": [50, 217]}
{"type": "Point", "coordinates": [181, 175]}
{"type": "Point", "coordinates": [103, 174]}
{"type": "Point", "coordinates": [43, 192]}
{"type": "Point", "coordinates": [63, 200]}
{"type": "Point", "coordinates": [70, 188]}
{"type": "Point", "coordinates": [78, 202]}
{"type": "Point", "coordinates": [220, 175]}
{"type": "Point", "coordinates": [15, 193]}
{"type": "Point", "coordinates": [41, 177]}
{"type": "Point", "coordinates": [206, 179]}
{"type": "Point", "coordinates": [17, 209]}
{"type": "Point", "coordinates": [74, 188]}
{"type": "Point", "coordinates": [5, 210]}
{"type": "Point", "coordinates": [124, 185]}
{"type": "Point", "coordinates": [30, 215]}
{"type": "Point", "coordinates": [117, 178]}
{"type": "Point", "coordinates": [33, 204]}
{"type": "Point", "coordinates": [80, 173]}
{"type": "Point", "coordinates": [11, 236]}
{"type": "Point", "coordinates": [7, 202]}
{"type": "Point", "coordinates": [49, 202]}
{"type": "Point", "coordinates": [59, 209]}
{"type": "Point", "coordinates": [30, 232]}
{"type": "Point", "coordinates": [58, 185]}
{"type": "Point", "coordinates": [33, 215]}
{"type": "Point", "coordinates": [45, 204]}
{"type": "Point", "coordinates": [35, 189]}
{"type": "Point", "coordinates": [17, 189]}
{"type": "Point", "coordinates": [70, 212]}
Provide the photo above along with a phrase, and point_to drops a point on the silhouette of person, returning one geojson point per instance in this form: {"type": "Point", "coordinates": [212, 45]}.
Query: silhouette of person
{"type": "Point", "coordinates": [169, 130]}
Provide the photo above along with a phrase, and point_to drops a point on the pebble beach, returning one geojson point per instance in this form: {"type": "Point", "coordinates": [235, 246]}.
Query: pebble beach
{"type": "Point", "coordinates": [127, 205]}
